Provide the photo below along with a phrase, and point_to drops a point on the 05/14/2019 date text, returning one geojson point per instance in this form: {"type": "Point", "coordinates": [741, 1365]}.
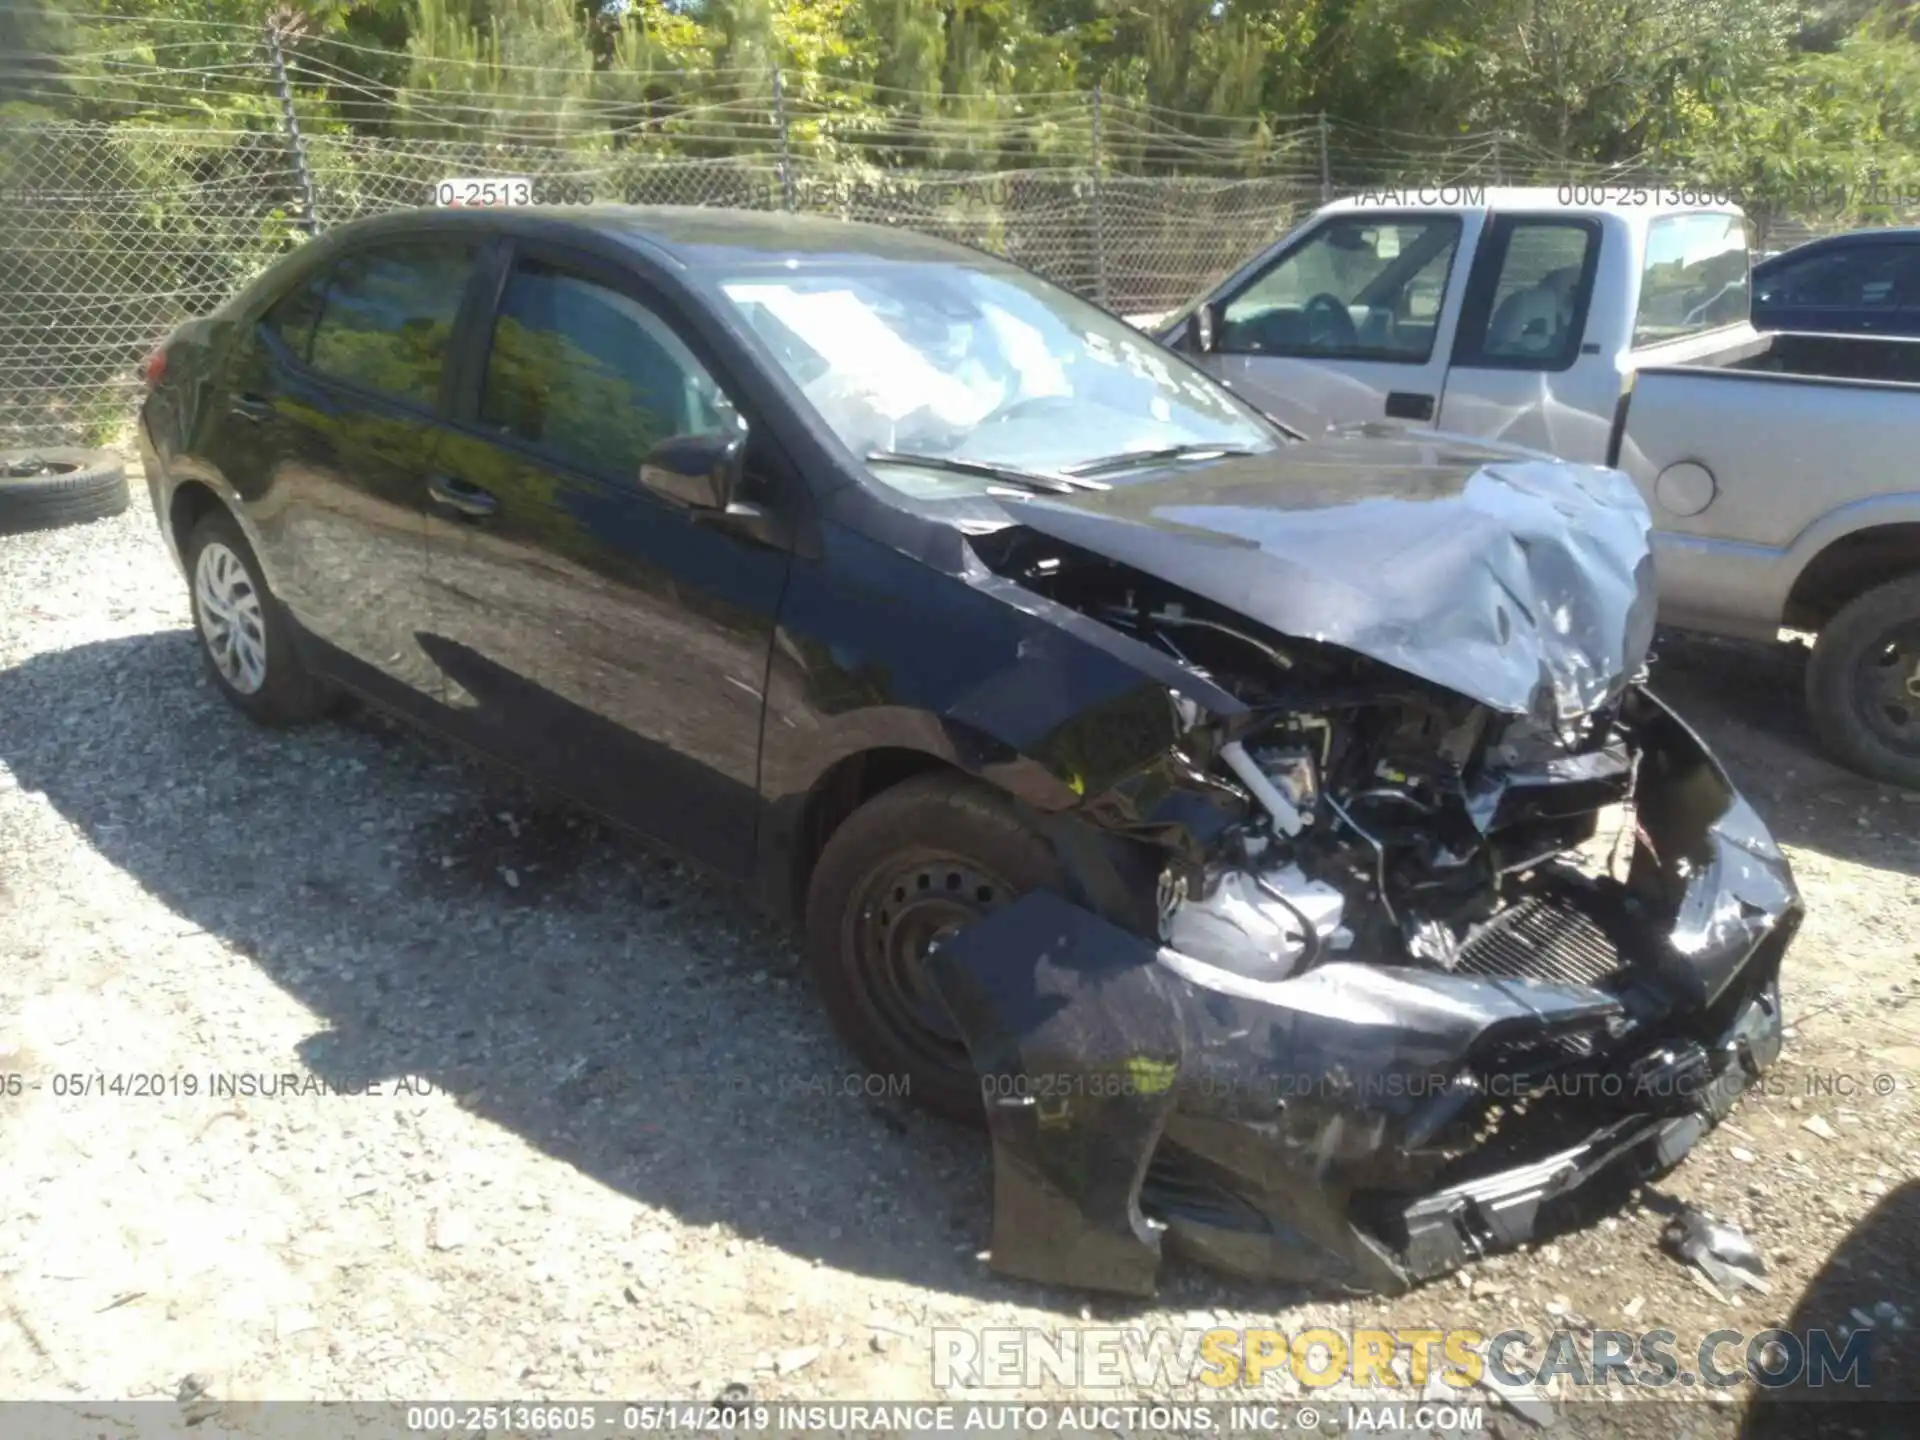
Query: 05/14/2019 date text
{"type": "Point", "coordinates": [212, 1084]}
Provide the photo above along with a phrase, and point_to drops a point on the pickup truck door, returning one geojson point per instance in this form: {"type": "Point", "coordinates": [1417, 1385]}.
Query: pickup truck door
{"type": "Point", "coordinates": [1518, 373]}
{"type": "Point", "coordinates": [1351, 321]}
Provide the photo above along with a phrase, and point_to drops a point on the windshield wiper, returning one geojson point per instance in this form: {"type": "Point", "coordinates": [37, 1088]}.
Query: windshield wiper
{"type": "Point", "coordinates": [1128, 459]}
{"type": "Point", "coordinates": [1282, 426]}
{"type": "Point", "coordinates": [1046, 482]}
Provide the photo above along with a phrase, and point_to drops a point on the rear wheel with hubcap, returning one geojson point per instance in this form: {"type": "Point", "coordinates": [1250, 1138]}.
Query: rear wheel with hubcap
{"type": "Point", "coordinates": [244, 634]}
{"type": "Point", "coordinates": [905, 873]}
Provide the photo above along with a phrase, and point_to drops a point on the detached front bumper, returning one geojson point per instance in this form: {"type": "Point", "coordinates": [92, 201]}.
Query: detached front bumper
{"type": "Point", "coordinates": [1371, 1125]}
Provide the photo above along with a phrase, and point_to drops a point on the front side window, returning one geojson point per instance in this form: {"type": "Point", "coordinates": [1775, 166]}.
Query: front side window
{"type": "Point", "coordinates": [592, 377]}
{"type": "Point", "coordinates": [1693, 278]}
{"type": "Point", "coordinates": [388, 317]}
{"type": "Point", "coordinates": [1865, 277]}
{"type": "Point", "coordinates": [1355, 289]}
{"type": "Point", "coordinates": [978, 363]}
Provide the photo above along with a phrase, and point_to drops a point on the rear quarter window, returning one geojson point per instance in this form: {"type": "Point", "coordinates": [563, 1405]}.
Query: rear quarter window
{"type": "Point", "coordinates": [1693, 277]}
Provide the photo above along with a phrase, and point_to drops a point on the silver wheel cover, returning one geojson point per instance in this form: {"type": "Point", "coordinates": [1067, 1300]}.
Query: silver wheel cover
{"type": "Point", "coordinates": [232, 624]}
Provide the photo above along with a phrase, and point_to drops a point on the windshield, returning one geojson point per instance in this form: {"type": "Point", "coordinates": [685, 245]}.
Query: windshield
{"type": "Point", "coordinates": [984, 365]}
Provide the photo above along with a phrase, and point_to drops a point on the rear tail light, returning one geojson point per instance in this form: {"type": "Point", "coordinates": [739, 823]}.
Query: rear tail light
{"type": "Point", "coordinates": [155, 369]}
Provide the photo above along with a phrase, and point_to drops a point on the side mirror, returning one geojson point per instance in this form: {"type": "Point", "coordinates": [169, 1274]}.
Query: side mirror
{"type": "Point", "coordinates": [701, 472]}
{"type": "Point", "coordinates": [1206, 327]}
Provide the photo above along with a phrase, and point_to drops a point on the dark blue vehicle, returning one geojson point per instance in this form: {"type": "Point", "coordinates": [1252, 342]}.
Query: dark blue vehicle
{"type": "Point", "coordinates": [1198, 805]}
{"type": "Point", "coordinates": [1864, 282]}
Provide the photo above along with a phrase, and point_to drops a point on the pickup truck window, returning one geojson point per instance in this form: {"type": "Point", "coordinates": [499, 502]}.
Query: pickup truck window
{"type": "Point", "coordinates": [1356, 289]}
{"type": "Point", "coordinates": [1694, 277]}
{"type": "Point", "coordinates": [1535, 312]}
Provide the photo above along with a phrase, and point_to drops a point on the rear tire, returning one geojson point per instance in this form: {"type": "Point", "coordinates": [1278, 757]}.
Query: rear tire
{"type": "Point", "coordinates": [42, 488]}
{"type": "Point", "coordinates": [914, 864]}
{"type": "Point", "coordinates": [1863, 683]}
{"type": "Point", "coordinates": [245, 637]}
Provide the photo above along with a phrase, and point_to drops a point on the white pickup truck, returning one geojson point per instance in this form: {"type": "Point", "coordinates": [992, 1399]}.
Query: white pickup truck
{"type": "Point", "coordinates": [1782, 471]}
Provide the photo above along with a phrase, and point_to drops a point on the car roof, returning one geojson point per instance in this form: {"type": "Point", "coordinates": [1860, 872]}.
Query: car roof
{"type": "Point", "coordinates": [696, 237]}
{"type": "Point", "coordinates": [1846, 240]}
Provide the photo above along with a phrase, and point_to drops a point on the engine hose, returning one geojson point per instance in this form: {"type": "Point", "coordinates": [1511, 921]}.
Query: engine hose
{"type": "Point", "coordinates": [1379, 856]}
{"type": "Point", "coordinates": [1312, 952]}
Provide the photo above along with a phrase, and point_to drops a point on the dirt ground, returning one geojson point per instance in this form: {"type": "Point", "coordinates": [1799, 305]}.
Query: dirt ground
{"type": "Point", "coordinates": [614, 1150]}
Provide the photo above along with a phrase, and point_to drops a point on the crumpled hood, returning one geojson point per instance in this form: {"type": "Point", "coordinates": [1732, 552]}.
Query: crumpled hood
{"type": "Point", "coordinates": [1523, 582]}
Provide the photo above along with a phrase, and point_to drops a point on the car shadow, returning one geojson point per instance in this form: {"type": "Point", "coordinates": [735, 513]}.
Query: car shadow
{"type": "Point", "coordinates": [1747, 701]}
{"type": "Point", "coordinates": [613, 1008]}
{"type": "Point", "coordinates": [589, 994]}
{"type": "Point", "coordinates": [1862, 1301]}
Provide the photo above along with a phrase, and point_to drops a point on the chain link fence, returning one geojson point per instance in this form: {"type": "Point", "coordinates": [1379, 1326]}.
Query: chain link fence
{"type": "Point", "coordinates": [113, 231]}
{"type": "Point", "coordinates": [110, 234]}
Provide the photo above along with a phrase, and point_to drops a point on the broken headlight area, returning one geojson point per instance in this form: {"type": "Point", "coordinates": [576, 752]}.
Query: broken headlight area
{"type": "Point", "coordinates": [1396, 1012]}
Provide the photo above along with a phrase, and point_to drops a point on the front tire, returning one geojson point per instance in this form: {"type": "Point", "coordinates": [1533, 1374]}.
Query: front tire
{"type": "Point", "coordinates": [906, 871]}
{"type": "Point", "coordinates": [245, 637]}
{"type": "Point", "coordinates": [1863, 683]}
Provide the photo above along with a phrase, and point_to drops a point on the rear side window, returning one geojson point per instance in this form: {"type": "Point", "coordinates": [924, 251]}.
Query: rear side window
{"type": "Point", "coordinates": [1536, 312]}
{"type": "Point", "coordinates": [388, 317]}
{"type": "Point", "coordinates": [1693, 278]}
{"type": "Point", "coordinates": [591, 376]}
{"type": "Point", "coordinates": [292, 316]}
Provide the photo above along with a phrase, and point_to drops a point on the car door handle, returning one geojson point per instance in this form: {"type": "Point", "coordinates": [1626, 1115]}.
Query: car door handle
{"type": "Point", "coordinates": [457, 494]}
{"type": "Point", "coordinates": [1405, 405]}
{"type": "Point", "coordinates": [249, 406]}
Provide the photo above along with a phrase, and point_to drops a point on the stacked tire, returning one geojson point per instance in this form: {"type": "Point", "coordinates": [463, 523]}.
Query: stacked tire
{"type": "Point", "coordinates": [51, 486]}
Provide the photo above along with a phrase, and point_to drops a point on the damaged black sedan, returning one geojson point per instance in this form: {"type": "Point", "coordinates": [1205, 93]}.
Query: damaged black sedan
{"type": "Point", "coordinates": [1271, 838]}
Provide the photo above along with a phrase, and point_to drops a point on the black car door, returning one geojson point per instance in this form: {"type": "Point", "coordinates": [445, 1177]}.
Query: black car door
{"type": "Point", "coordinates": [599, 636]}
{"type": "Point", "coordinates": [327, 428]}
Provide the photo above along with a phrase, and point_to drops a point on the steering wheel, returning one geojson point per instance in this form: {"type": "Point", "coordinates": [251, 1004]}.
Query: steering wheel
{"type": "Point", "coordinates": [1328, 319]}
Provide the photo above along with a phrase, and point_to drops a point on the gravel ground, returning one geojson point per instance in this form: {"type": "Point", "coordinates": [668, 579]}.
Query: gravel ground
{"type": "Point", "coordinates": [614, 1150]}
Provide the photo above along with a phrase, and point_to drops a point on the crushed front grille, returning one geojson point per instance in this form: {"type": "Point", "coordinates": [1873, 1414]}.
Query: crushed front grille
{"type": "Point", "coordinates": [1544, 938]}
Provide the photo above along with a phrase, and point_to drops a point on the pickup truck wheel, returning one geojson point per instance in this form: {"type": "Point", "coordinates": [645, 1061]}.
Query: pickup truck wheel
{"type": "Point", "coordinates": [903, 873]}
{"type": "Point", "coordinates": [1863, 683]}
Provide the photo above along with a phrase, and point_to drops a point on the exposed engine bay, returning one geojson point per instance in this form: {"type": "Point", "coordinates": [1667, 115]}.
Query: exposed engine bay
{"type": "Point", "coordinates": [1402, 1002]}
{"type": "Point", "coordinates": [1386, 818]}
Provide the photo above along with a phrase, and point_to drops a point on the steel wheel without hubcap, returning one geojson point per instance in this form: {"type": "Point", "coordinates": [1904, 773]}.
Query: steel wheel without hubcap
{"type": "Point", "coordinates": [1886, 689]}
{"type": "Point", "coordinates": [906, 909]}
{"type": "Point", "coordinates": [231, 621]}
